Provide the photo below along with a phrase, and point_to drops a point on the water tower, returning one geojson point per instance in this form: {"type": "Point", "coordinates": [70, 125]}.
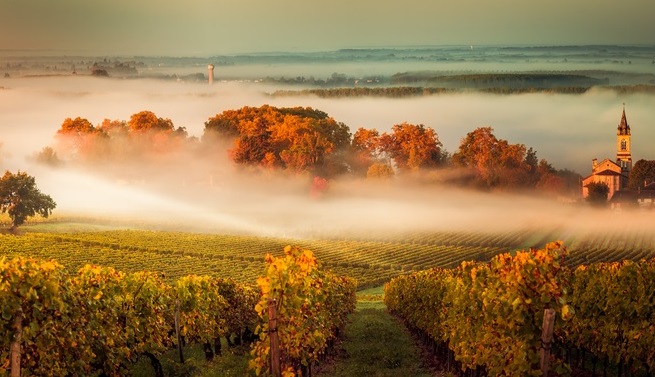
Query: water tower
{"type": "Point", "coordinates": [210, 68]}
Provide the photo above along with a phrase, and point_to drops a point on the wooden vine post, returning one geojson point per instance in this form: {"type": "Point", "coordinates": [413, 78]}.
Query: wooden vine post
{"type": "Point", "coordinates": [546, 340]}
{"type": "Point", "coordinates": [276, 369]}
{"type": "Point", "coordinates": [177, 331]}
{"type": "Point", "coordinates": [15, 344]}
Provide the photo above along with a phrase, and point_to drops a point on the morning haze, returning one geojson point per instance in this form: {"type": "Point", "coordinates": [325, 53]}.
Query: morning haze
{"type": "Point", "coordinates": [110, 60]}
{"type": "Point", "coordinates": [415, 147]}
{"type": "Point", "coordinates": [199, 27]}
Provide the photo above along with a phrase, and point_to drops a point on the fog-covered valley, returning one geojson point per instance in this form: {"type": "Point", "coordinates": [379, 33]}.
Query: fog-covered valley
{"type": "Point", "coordinates": [568, 130]}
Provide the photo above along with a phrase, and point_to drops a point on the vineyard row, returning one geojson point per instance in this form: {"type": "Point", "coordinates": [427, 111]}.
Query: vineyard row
{"type": "Point", "coordinates": [489, 315]}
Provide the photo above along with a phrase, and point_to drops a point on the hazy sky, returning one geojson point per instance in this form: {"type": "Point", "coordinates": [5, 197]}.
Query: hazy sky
{"type": "Point", "coordinates": [207, 27]}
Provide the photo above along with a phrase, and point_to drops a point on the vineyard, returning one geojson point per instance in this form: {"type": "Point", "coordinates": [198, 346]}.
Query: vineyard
{"type": "Point", "coordinates": [372, 258]}
{"type": "Point", "coordinates": [181, 266]}
{"type": "Point", "coordinates": [484, 318]}
{"type": "Point", "coordinates": [103, 320]}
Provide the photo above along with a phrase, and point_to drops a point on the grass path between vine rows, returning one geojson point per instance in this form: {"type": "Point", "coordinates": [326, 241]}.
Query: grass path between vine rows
{"type": "Point", "coordinates": [375, 344]}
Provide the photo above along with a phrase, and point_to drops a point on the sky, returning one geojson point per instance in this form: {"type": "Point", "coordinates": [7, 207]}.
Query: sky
{"type": "Point", "coordinates": [214, 27]}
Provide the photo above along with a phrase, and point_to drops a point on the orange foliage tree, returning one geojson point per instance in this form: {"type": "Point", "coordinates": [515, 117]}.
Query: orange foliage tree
{"type": "Point", "coordinates": [79, 139]}
{"type": "Point", "coordinates": [495, 161]}
{"type": "Point", "coordinates": [412, 146]}
{"type": "Point", "coordinates": [144, 134]}
{"type": "Point", "coordinates": [298, 139]}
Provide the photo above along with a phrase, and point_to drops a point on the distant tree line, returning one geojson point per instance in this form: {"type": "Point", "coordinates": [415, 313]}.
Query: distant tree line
{"type": "Point", "coordinates": [392, 91]}
{"type": "Point", "coordinates": [495, 80]}
{"type": "Point", "coordinates": [413, 91]}
{"type": "Point", "coordinates": [334, 80]}
{"type": "Point", "coordinates": [303, 140]}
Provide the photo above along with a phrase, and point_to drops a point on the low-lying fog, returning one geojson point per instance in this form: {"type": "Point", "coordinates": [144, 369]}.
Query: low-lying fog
{"type": "Point", "coordinates": [567, 130]}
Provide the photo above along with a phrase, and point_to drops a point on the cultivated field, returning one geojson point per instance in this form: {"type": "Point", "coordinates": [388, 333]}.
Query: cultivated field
{"type": "Point", "coordinates": [370, 258]}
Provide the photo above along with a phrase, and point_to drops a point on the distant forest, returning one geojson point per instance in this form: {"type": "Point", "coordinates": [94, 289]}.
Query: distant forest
{"type": "Point", "coordinates": [429, 83]}
{"type": "Point", "coordinates": [413, 91]}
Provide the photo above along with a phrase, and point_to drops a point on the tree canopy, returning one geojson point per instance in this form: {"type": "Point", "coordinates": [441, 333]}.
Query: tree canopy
{"type": "Point", "coordinates": [598, 193]}
{"type": "Point", "coordinates": [643, 172]}
{"type": "Point", "coordinates": [20, 198]}
{"type": "Point", "coordinates": [298, 139]}
{"type": "Point", "coordinates": [306, 140]}
{"type": "Point", "coordinates": [495, 161]}
{"type": "Point", "coordinates": [412, 146]}
{"type": "Point", "coordinates": [145, 121]}
{"type": "Point", "coordinates": [144, 136]}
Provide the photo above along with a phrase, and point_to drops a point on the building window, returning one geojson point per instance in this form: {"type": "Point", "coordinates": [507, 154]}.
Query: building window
{"type": "Point", "coordinates": [623, 145]}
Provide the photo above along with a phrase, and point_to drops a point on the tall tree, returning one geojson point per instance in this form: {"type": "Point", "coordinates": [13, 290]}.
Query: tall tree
{"type": "Point", "coordinates": [147, 121]}
{"type": "Point", "coordinates": [495, 161]}
{"type": "Point", "coordinates": [365, 150]}
{"type": "Point", "coordinates": [20, 198]}
{"type": "Point", "coordinates": [643, 172]}
{"type": "Point", "coordinates": [298, 139]}
{"type": "Point", "coordinates": [412, 146]}
{"type": "Point", "coordinates": [598, 192]}
{"type": "Point", "coordinates": [78, 138]}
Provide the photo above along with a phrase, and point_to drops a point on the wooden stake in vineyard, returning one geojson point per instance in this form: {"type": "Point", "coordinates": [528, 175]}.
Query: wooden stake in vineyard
{"type": "Point", "coordinates": [276, 369]}
{"type": "Point", "coordinates": [546, 340]}
{"type": "Point", "coordinates": [15, 345]}
{"type": "Point", "coordinates": [177, 330]}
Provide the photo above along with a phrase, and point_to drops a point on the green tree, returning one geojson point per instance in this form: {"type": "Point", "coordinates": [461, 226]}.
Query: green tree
{"type": "Point", "coordinates": [598, 192]}
{"type": "Point", "coordinates": [20, 197]}
{"type": "Point", "coordinates": [642, 172]}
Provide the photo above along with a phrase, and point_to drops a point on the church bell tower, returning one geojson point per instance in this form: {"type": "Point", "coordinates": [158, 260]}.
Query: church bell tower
{"type": "Point", "coordinates": [623, 155]}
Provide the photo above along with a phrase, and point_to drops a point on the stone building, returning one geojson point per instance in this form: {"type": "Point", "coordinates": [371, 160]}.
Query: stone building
{"type": "Point", "coordinates": [613, 173]}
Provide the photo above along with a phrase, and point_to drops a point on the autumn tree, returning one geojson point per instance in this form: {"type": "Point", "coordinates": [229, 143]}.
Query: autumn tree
{"type": "Point", "coordinates": [365, 150]}
{"type": "Point", "coordinates": [155, 137]}
{"type": "Point", "coordinates": [412, 146]}
{"type": "Point", "coordinates": [549, 182]}
{"type": "Point", "coordinates": [78, 138]}
{"type": "Point", "coordinates": [77, 126]}
{"type": "Point", "coordinates": [20, 198]}
{"type": "Point", "coordinates": [555, 182]}
{"type": "Point", "coordinates": [226, 124]}
{"type": "Point", "coordinates": [496, 162]}
{"type": "Point", "coordinates": [380, 171]}
{"type": "Point", "coordinates": [367, 141]}
{"type": "Point", "coordinates": [119, 145]}
{"type": "Point", "coordinates": [147, 121]}
{"type": "Point", "coordinates": [643, 172]}
{"type": "Point", "coordinates": [114, 128]}
{"type": "Point", "coordinates": [297, 139]}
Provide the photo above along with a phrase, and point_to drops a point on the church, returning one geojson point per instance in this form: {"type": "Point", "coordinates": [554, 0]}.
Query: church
{"type": "Point", "coordinates": [613, 173]}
